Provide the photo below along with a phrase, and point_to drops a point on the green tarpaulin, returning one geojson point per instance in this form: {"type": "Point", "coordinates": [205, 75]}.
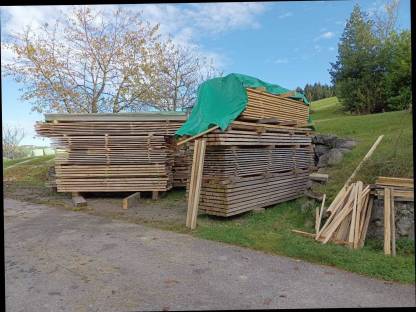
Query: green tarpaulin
{"type": "Point", "coordinates": [221, 100]}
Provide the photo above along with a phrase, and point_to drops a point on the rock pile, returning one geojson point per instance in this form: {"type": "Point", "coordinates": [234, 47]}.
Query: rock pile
{"type": "Point", "coordinates": [329, 149]}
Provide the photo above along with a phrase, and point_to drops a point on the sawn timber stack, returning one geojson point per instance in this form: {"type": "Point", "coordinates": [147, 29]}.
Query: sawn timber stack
{"type": "Point", "coordinates": [253, 165]}
{"type": "Point", "coordinates": [112, 152]}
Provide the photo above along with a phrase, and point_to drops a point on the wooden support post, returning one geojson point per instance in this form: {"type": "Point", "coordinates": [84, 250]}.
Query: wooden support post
{"type": "Point", "coordinates": [387, 221]}
{"type": "Point", "coordinates": [129, 201]}
{"type": "Point", "coordinates": [393, 227]}
{"type": "Point", "coordinates": [319, 218]}
{"type": "Point", "coordinates": [195, 182]}
{"type": "Point", "coordinates": [155, 195]}
{"type": "Point", "coordinates": [78, 200]}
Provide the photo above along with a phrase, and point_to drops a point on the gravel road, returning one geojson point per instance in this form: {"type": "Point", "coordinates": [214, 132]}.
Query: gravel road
{"type": "Point", "coordinates": [58, 260]}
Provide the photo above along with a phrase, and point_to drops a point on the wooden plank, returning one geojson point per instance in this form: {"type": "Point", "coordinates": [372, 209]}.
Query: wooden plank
{"type": "Point", "coordinates": [192, 187]}
{"type": "Point", "coordinates": [321, 177]}
{"type": "Point", "coordinates": [130, 200]}
{"type": "Point", "coordinates": [318, 224]}
{"type": "Point", "coordinates": [387, 221]}
{"type": "Point", "coordinates": [144, 116]}
{"type": "Point", "coordinates": [200, 167]}
{"type": "Point", "coordinates": [312, 235]}
{"type": "Point", "coordinates": [358, 215]}
{"type": "Point", "coordinates": [197, 135]}
{"type": "Point", "coordinates": [79, 201]}
{"type": "Point", "coordinates": [366, 222]}
{"type": "Point", "coordinates": [366, 157]}
{"type": "Point", "coordinates": [393, 227]}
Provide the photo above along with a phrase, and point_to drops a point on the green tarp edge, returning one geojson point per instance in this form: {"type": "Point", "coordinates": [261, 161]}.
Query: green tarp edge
{"type": "Point", "coordinates": [221, 100]}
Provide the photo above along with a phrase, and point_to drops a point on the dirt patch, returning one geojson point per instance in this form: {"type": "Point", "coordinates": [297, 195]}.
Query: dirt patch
{"type": "Point", "coordinates": [168, 212]}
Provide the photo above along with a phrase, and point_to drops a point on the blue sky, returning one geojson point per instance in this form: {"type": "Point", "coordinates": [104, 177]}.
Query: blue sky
{"type": "Point", "coordinates": [289, 43]}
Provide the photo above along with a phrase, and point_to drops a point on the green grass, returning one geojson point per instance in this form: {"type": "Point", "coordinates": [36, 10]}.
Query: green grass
{"type": "Point", "coordinates": [393, 156]}
{"type": "Point", "coordinates": [31, 173]}
{"type": "Point", "coordinates": [10, 162]}
{"type": "Point", "coordinates": [271, 232]}
{"type": "Point", "coordinates": [328, 108]}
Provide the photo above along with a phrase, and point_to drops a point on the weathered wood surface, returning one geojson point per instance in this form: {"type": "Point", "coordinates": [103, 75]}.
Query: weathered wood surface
{"type": "Point", "coordinates": [100, 154]}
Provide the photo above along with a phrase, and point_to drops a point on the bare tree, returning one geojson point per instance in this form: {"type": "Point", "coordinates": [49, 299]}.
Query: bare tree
{"type": "Point", "coordinates": [385, 23]}
{"type": "Point", "coordinates": [88, 61]}
{"type": "Point", "coordinates": [12, 136]}
{"type": "Point", "coordinates": [182, 70]}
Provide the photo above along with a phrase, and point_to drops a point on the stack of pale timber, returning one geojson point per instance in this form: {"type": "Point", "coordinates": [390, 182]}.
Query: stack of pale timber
{"type": "Point", "coordinates": [266, 105]}
{"type": "Point", "coordinates": [181, 165]}
{"type": "Point", "coordinates": [402, 188]}
{"type": "Point", "coordinates": [112, 152]}
{"type": "Point", "coordinates": [253, 165]}
{"type": "Point", "coordinates": [349, 217]}
{"type": "Point", "coordinates": [392, 189]}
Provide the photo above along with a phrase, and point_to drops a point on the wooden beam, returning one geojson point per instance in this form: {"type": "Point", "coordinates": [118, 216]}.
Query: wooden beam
{"type": "Point", "coordinates": [197, 135]}
{"type": "Point", "coordinates": [79, 201]}
{"type": "Point", "coordinates": [198, 181]}
{"type": "Point", "coordinates": [393, 228]}
{"type": "Point", "coordinates": [318, 223]}
{"type": "Point", "coordinates": [321, 177]}
{"type": "Point", "coordinates": [130, 200]}
{"type": "Point", "coordinates": [387, 221]}
{"type": "Point", "coordinates": [366, 157]}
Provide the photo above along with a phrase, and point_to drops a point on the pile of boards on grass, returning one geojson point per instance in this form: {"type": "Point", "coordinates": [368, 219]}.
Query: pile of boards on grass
{"type": "Point", "coordinates": [112, 152]}
{"type": "Point", "coordinates": [392, 189]}
{"type": "Point", "coordinates": [262, 158]}
{"type": "Point", "coordinates": [349, 217]}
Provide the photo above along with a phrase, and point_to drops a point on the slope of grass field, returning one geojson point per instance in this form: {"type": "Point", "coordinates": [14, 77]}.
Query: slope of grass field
{"type": "Point", "coordinates": [271, 231]}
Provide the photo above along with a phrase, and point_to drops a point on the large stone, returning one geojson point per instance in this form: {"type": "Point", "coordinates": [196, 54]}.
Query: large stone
{"type": "Point", "coordinates": [325, 139]}
{"type": "Point", "coordinates": [345, 143]}
{"type": "Point", "coordinates": [320, 150]}
{"type": "Point", "coordinates": [333, 157]}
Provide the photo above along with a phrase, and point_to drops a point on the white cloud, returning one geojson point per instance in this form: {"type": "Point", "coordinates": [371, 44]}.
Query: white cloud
{"type": "Point", "coordinates": [285, 15]}
{"type": "Point", "coordinates": [281, 61]}
{"type": "Point", "coordinates": [325, 35]}
{"type": "Point", "coordinates": [331, 48]}
{"type": "Point", "coordinates": [186, 23]}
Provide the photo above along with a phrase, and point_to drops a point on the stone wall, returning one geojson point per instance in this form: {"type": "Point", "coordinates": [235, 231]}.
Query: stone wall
{"type": "Point", "coordinates": [404, 220]}
{"type": "Point", "coordinates": [329, 149]}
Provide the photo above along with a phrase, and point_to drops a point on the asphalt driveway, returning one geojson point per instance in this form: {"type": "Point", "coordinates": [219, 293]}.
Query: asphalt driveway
{"type": "Point", "coordinates": [58, 260]}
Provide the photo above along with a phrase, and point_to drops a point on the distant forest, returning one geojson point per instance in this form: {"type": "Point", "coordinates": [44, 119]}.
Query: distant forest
{"type": "Point", "coordinates": [317, 91]}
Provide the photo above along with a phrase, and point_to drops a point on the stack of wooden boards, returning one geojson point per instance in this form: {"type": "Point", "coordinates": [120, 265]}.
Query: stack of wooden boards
{"type": "Point", "coordinates": [257, 163]}
{"type": "Point", "coordinates": [348, 217]}
{"type": "Point", "coordinates": [266, 105]}
{"type": "Point", "coordinates": [112, 152]}
{"type": "Point", "coordinates": [391, 190]}
{"type": "Point", "coordinates": [181, 165]}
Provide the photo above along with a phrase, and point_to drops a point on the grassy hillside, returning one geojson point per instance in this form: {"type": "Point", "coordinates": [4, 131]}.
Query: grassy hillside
{"type": "Point", "coordinates": [393, 156]}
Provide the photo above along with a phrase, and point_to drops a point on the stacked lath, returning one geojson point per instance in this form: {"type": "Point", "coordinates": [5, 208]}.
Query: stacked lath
{"type": "Point", "coordinates": [253, 165]}
{"type": "Point", "coordinates": [182, 165]}
{"type": "Point", "coordinates": [262, 105]}
{"type": "Point", "coordinates": [112, 152]}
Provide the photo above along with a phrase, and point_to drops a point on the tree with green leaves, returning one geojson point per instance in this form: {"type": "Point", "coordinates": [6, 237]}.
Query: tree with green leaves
{"type": "Point", "coordinates": [358, 73]}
